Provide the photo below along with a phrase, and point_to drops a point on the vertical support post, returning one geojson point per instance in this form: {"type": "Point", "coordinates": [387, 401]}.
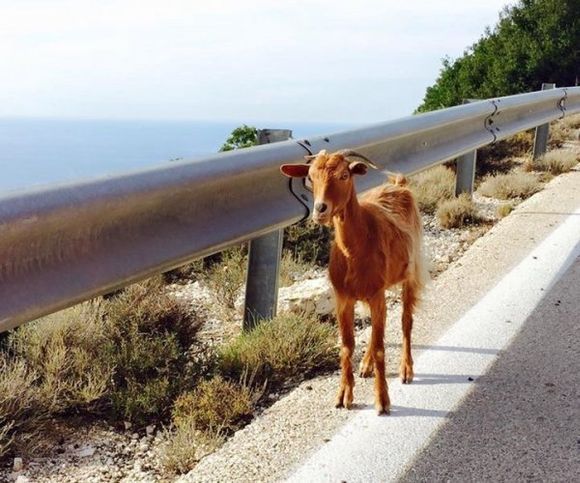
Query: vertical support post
{"type": "Point", "coordinates": [542, 132]}
{"type": "Point", "coordinates": [264, 259]}
{"type": "Point", "coordinates": [465, 175]}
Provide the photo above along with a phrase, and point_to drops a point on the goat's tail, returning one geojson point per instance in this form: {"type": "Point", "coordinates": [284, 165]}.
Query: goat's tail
{"type": "Point", "coordinates": [398, 180]}
{"type": "Point", "coordinates": [418, 274]}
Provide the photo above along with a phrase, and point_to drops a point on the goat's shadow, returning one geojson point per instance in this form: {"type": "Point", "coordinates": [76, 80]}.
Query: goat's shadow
{"type": "Point", "coordinates": [403, 411]}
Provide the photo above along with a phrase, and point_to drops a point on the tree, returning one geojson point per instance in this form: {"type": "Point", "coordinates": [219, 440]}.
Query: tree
{"type": "Point", "coordinates": [241, 137]}
{"type": "Point", "coordinates": [534, 41]}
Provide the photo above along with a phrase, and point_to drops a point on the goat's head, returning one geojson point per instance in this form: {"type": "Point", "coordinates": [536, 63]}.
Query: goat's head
{"type": "Point", "coordinates": [331, 176]}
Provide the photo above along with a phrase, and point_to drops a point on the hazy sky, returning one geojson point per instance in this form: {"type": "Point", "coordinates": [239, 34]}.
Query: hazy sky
{"type": "Point", "coordinates": [247, 60]}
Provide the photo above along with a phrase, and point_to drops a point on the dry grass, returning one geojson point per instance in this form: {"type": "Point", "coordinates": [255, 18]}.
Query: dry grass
{"type": "Point", "coordinates": [432, 187]}
{"type": "Point", "coordinates": [511, 185]}
{"type": "Point", "coordinates": [214, 405]}
{"type": "Point", "coordinates": [291, 268]}
{"type": "Point", "coordinates": [227, 277]}
{"type": "Point", "coordinates": [289, 347]}
{"type": "Point", "coordinates": [571, 122]}
{"type": "Point", "coordinates": [457, 212]}
{"type": "Point", "coordinates": [185, 446]}
{"type": "Point", "coordinates": [554, 162]}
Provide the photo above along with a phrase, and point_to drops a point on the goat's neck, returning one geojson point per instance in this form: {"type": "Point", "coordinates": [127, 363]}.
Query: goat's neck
{"type": "Point", "coordinates": [349, 227]}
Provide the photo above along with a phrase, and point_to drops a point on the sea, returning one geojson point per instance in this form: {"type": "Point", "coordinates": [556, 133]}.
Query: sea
{"type": "Point", "coordinates": [41, 152]}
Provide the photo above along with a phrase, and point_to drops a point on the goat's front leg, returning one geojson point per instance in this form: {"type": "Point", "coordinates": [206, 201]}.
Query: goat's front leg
{"type": "Point", "coordinates": [345, 315]}
{"type": "Point", "coordinates": [377, 349]}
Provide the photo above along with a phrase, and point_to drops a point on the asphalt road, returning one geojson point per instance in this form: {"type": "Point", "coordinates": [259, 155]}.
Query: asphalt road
{"type": "Point", "coordinates": [495, 398]}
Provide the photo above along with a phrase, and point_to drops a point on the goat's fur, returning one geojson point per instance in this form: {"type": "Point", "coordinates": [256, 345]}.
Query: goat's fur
{"type": "Point", "coordinates": [378, 243]}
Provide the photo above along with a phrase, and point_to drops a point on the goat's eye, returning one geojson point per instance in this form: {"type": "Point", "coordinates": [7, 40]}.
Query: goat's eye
{"type": "Point", "coordinates": [344, 176]}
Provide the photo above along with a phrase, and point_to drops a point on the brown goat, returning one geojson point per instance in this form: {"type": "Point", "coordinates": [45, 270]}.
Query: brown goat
{"type": "Point", "coordinates": [378, 243]}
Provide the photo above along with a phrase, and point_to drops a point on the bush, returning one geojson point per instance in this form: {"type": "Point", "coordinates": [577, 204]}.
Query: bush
{"type": "Point", "coordinates": [554, 162]}
{"type": "Point", "coordinates": [511, 185]}
{"type": "Point", "coordinates": [149, 335]}
{"type": "Point", "coordinates": [289, 347]}
{"type": "Point", "coordinates": [130, 353]}
{"type": "Point", "coordinates": [432, 186]}
{"type": "Point", "coordinates": [48, 367]}
{"type": "Point", "coordinates": [214, 405]}
{"type": "Point", "coordinates": [457, 212]}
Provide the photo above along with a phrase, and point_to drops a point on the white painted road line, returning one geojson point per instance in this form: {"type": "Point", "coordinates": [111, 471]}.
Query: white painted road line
{"type": "Point", "coordinates": [371, 448]}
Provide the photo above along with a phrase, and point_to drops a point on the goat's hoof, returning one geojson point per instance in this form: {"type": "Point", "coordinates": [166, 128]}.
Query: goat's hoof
{"type": "Point", "coordinates": [344, 398]}
{"type": "Point", "coordinates": [406, 374]}
{"type": "Point", "coordinates": [383, 404]}
{"type": "Point", "coordinates": [366, 369]}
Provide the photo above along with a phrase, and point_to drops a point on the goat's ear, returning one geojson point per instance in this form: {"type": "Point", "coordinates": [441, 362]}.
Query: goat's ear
{"type": "Point", "coordinates": [357, 168]}
{"type": "Point", "coordinates": [295, 170]}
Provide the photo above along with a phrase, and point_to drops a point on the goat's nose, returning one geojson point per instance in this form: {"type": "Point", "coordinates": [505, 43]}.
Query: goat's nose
{"type": "Point", "coordinates": [320, 207]}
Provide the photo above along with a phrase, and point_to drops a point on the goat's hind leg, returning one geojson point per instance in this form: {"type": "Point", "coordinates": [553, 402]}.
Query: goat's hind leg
{"type": "Point", "coordinates": [345, 313]}
{"type": "Point", "coordinates": [409, 302]}
{"type": "Point", "coordinates": [378, 317]}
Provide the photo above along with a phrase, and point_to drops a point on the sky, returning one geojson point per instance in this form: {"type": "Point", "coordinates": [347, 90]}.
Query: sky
{"type": "Point", "coordinates": [316, 60]}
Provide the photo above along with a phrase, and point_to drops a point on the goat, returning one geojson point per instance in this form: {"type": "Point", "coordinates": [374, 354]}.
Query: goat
{"type": "Point", "coordinates": [377, 244]}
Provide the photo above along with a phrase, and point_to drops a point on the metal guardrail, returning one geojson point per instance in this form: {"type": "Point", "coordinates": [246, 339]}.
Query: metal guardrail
{"type": "Point", "coordinates": [64, 244]}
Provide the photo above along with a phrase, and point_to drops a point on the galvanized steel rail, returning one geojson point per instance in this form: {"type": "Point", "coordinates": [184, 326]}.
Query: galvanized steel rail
{"type": "Point", "coordinates": [64, 244]}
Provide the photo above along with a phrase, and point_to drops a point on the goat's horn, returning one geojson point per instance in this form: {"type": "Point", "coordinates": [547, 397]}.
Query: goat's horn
{"type": "Point", "coordinates": [349, 153]}
{"type": "Point", "coordinates": [310, 157]}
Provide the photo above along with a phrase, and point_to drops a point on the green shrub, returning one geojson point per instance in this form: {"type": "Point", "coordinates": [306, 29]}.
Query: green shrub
{"type": "Point", "coordinates": [504, 210]}
{"type": "Point", "coordinates": [457, 212]}
{"type": "Point", "coordinates": [432, 186]}
{"type": "Point", "coordinates": [308, 242]}
{"type": "Point", "coordinates": [511, 185]}
{"type": "Point", "coordinates": [287, 348]}
{"type": "Point", "coordinates": [215, 404]}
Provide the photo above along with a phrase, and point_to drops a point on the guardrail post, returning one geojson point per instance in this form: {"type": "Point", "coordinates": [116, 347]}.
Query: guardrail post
{"type": "Point", "coordinates": [541, 137]}
{"type": "Point", "coordinates": [465, 175]}
{"type": "Point", "coordinates": [264, 259]}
